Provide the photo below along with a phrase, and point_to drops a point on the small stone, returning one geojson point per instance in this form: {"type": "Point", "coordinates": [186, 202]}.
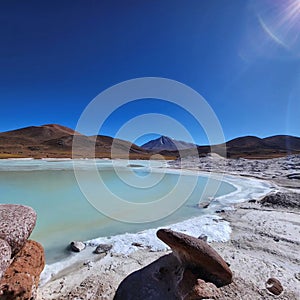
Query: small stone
{"type": "Point", "coordinates": [202, 237]}
{"type": "Point", "coordinates": [137, 244]}
{"type": "Point", "coordinates": [276, 239]}
{"type": "Point", "coordinates": [203, 204]}
{"type": "Point", "coordinates": [191, 287]}
{"type": "Point", "coordinates": [77, 246]}
{"type": "Point", "coordinates": [274, 286]}
{"type": "Point", "coordinates": [102, 248]}
{"type": "Point", "coordinates": [297, 276]}
{"type": "Point", "coordinates": [88, 263]}
{"type": "Point", "coordinates": [205, 290]}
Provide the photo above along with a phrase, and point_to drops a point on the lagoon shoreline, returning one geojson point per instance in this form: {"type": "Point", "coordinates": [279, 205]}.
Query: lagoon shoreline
{"type": "Point", "coordinates": [264, 241]}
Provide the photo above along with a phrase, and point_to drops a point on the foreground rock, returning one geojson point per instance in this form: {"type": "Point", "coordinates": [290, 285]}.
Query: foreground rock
{"type": "Point", "coordinates": [193, 271]}
{"type": "Point", "coordinates": [5, 254]}
{"type": "Point", "coordinates": [16, 225]}
{"type": "Point", "coordinates": [21, 279]}
{"type": "Point", "coordinates": [197, 255]}
{"type": "Point", "coordinates": [274, 286]}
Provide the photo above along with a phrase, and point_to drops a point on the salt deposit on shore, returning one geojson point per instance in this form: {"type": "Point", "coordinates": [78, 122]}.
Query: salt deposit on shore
{"type": "Point", "coordinates": [264, 242]}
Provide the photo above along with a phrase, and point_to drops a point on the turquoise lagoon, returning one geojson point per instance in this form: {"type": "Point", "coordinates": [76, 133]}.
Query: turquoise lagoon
{"type": "Point", "coordinates": [64, 214]}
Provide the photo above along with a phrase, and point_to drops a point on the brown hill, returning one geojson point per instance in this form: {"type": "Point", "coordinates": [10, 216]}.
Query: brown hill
{"type": "Point", "coordinates": [34, 134]}
{"type": "Point", "coordinates": [54, 140]}
{"type": "Point", "coordinates": [291, 143]}
{"type": "Point", "coordinates": [254, 147]}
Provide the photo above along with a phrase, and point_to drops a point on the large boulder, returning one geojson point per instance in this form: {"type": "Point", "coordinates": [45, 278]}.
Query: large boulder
{"type": "Point", "coordinates": [16, 225]}
{"type": "Point", "coordinates": [198, 256]}
{"type": "Point", "coordinates": [5, 254]}
{"type": "Point", "coordinates": [21, 279]}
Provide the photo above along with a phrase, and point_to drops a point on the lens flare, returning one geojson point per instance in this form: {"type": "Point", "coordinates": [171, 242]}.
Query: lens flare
{"type": "Point", "coordinates": [280, 20]}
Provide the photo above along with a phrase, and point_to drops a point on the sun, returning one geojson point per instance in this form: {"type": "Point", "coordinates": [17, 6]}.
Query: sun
{"type": "Point", "coordinates": [281, 22]}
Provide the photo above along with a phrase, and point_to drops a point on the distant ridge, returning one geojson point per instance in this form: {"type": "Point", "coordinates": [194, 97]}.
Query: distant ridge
{"type": "Point", "coordinates": [251, 147]}
{"type": "Point", "coordinates": [39, 133]}
{"type": "Point", "coordinates": [54, 140]}
{"type": "Point", "coordinates": [254, 147]}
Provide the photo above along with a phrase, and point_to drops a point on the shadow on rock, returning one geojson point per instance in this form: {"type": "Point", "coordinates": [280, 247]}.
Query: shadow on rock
{"type": "Point", "coordinates": [155, 281]}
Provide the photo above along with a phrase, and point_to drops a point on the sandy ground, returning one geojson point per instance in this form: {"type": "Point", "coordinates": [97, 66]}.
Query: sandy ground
{"type": "Point", "coordinates": [265, 242]}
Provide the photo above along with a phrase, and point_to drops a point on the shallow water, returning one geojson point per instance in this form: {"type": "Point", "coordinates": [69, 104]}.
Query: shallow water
{"type": "Point", "coordinates": [64, 214]}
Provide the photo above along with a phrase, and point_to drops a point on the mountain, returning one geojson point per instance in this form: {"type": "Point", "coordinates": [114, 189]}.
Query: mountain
{"type": "Point", "coordinates": [251, 147]}
{"type": "Point", "coordinates": [165, 143]}
{"type": "Point", "coordinates": [53, 140]}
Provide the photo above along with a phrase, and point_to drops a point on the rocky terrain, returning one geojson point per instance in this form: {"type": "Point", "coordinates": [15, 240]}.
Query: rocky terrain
{"type": "Point", "coordinates": [262, 253]}
{"type": "Point", "coordinates": [284, 171]}
{"type": "Point", "coordinates": [21, 260]}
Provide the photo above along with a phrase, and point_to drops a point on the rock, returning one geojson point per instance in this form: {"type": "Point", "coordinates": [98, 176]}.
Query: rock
{"type": "Point", "coordinates": [274, 286]}
{"type": "Point", "coordinates": [297, 276]}
{"type": "Point", "coordinates": [88, 264]}
{"type": "Point", "coordinates": [192, 288]}
{"type": "Point", "coordinates": [136, 244]}
{"type": "Point", "coordinates": [5, 254]}
{"type": "Point", "coordinates": [204, 204]}
{"type": "Point", "coordinates": [77, 246]}
{"type": "Point", "coordinates": [252, 201]}
{"type": "Point", "coordinates": [198, 256]}
{"type": "Point", "coordinates": [102, 248]}
{"type": "Point", "coordinates": [205, 290]}
{"type": "Point", "coordinates": [203, 237]}
{"type": "Point", "coordinates": [16, 225]}
{"type": "Point", "coordinates": [21, 279]}
{"type": "Point", "coordinates": [287, 200]}
{"type": "Point", "coordinates": [293, 176]}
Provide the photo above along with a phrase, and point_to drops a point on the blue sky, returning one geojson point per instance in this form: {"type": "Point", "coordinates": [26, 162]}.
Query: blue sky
{"type": "Point", "coordinates": [242, 56]}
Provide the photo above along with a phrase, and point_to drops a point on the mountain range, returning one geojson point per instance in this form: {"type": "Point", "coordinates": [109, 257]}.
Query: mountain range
{"type": "Point", "coordinates": [53, 140]}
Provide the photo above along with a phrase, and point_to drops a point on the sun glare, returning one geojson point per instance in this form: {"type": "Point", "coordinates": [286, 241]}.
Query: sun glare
{"type": "Point", "coordinates": [280, 20]}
